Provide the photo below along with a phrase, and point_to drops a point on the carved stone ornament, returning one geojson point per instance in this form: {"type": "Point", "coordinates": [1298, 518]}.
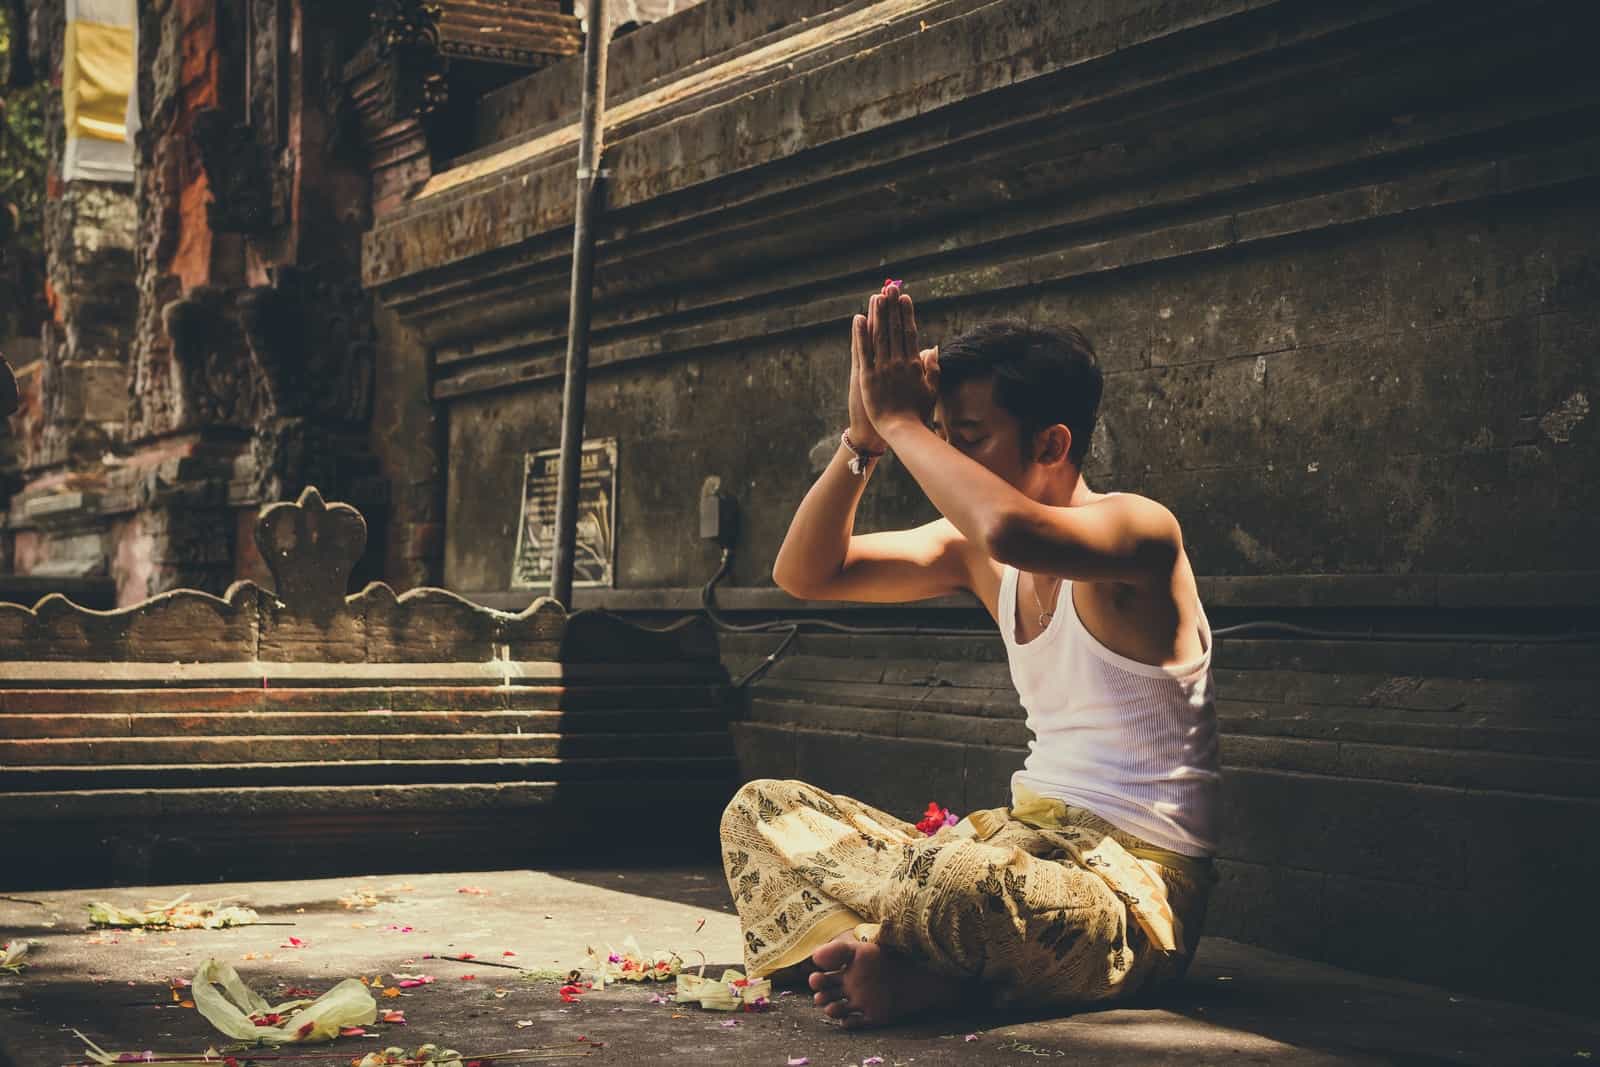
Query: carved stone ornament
{"type": "Point", "coordinates": [216, 386]}
{"type": "Point", "coordinates": [311, 337]}
{"type": "Point", "coordinates": [310, 632]}
{"type": "Point", "coordinates": [311, 547]}
{"type": "Point", "coordinates": [406, 33]}
{"type": "Point", "coordinates": [246, 193]}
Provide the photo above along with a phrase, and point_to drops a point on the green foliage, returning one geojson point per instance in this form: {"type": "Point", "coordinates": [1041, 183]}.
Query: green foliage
{"type": "Point", "coordinates": [22, 147]}
{"type": "Point", "coordinates": [22, 190]}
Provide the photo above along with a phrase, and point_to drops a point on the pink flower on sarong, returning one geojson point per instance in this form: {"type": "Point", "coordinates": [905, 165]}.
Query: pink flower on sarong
{"type": "Point", "coordinates": [935, 819]}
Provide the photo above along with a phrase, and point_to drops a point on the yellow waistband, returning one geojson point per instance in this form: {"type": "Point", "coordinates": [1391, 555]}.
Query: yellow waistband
{"type": "Point", "coordinates": [1051, 814]}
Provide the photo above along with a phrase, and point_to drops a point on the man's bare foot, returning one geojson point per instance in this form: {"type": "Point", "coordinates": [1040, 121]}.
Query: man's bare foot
{"type": "Point", "coordinates": [793, 976]}
{"type": "Point", "coordinates": [864, 985]}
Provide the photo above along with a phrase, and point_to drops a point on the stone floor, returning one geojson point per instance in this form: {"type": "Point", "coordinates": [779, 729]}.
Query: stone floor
{"type": "Point", "coordinates": [1240, 1005]}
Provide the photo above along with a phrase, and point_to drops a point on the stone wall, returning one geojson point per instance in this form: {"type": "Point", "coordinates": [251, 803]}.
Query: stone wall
{"type": "Point", "coordinates": [1346, 331]}
{"type": "Point", "coordinates": [1341, 267]}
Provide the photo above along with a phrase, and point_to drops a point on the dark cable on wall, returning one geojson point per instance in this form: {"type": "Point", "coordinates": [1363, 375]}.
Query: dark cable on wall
{"type": "Point", "coordinates": [790, 627]}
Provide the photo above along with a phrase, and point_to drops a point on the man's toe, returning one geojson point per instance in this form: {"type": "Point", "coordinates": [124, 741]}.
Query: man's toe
{"type": "Point", "coordinates": [833, 956]}
{"type": "Point", "coordinates": [821, 980]}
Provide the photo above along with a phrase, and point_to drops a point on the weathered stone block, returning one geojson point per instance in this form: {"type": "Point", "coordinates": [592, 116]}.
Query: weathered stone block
{"type": "Point", "coordinates": [1280, 754]}
{"type": "Point", "coordinates": [1384, 927]}
{"type": "Point", "coordinates": [962, 729]}
{"type": "Point", "coordinates": [1204, 415]}
{"type": "Point", "coordinates": [763, 751]}
{"type": "Point", "coordinates": [988, 776]}
{"type": "Point", "coordinates": [1471, 770]}
{"type": "Point", "coordinates": [1273, 299]}
{"type": "Point", "coordinates": [1272, 906]}
{"type": "Point", "coordinates": [895, 774]}
{"type": "Point", "coordinates": [815, 715]}
{"type": "Point", "coordinates": [1382, 830]}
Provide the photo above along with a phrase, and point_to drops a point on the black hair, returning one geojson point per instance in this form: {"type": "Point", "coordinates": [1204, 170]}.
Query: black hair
{"type": "Point", "coordinates": [1043, 375]}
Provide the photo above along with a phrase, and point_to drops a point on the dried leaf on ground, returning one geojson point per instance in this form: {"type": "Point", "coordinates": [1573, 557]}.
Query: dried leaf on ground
{"type": "Point", "coordinates": [178, 913]}
{"type": "Point", "coordinates": [11, 955]}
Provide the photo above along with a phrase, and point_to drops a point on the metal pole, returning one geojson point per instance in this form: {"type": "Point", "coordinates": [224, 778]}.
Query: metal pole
{"type": "Point", "coordinates": [577, 381]}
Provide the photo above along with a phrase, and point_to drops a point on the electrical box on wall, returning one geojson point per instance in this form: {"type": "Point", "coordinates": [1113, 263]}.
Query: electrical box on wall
{"type": "Point", "coordinates": [719, 514]}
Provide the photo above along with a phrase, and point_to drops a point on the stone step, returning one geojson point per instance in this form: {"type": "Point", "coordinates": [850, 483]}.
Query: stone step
{"type": "Point", "coordinates": [375, 722]}
{"type": "Point", "coordinates": [200, 835]}
{"type": "Point", "coordinates": [900, 672]}
{"type": "Point", "coordinates": [623, 772]}
{"type": "Point", "coordinates": [280, 748]}
{"type": "Point", "coordinates": [1463, 658]}
{"type": "Point", "coordinates": [139, 701]}
{"type": "Point", "coordinates": [996, 703]}
{"type": "Point", "coordinates": [101, 806]}
{"type": "Point", "coordinates": [890, 722]}
{"type": "Point", "coordinates": [983, 646]}
{"type": "Point", "coordinates": [1544, 703]}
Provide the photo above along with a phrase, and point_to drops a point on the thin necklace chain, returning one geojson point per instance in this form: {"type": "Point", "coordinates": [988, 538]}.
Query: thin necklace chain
{"type": "Point", "coordinates": [1044, 616]}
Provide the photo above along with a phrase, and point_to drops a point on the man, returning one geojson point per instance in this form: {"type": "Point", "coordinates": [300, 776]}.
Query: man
{"type": "Point", "coordinates": [1092, 885]}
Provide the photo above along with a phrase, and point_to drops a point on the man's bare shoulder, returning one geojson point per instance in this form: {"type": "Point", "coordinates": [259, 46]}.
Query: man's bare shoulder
{"type": "Point", "coordinates": [1134, 526]}
{"type": "Point", "coordinates": [1134, 505]}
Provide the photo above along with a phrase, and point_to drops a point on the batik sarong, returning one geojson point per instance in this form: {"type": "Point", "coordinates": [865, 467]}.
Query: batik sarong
{"type": "Point", "coordinates": [1041, 903]}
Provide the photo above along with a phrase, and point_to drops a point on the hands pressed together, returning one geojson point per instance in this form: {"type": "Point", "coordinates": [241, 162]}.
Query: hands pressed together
{"type": "Point", "coordinates": [890, 378]}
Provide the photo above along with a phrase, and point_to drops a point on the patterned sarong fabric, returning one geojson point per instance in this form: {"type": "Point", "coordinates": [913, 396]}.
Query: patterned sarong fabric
{"type": "Point", "coordinates": [1056, 910]}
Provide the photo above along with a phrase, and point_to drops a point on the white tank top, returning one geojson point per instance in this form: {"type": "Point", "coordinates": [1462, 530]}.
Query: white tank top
{"type": "Point", "coordinates": [1134, 743]}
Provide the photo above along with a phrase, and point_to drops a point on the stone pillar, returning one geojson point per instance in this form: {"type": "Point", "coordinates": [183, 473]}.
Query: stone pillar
{"type": "Point", "coordinates": [253, 361]}
{"type": "Point", "coordinates": [74, 392]}
{"type": "Point", "coordinates": [408, 436]}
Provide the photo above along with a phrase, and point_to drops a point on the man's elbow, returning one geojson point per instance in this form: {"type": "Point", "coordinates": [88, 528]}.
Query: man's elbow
{"type": "Point", "coordinates": [791, 583]}
{"type": "Point", "coordinates": [1004, 538]}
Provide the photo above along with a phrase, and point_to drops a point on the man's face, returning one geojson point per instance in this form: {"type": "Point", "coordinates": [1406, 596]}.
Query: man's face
{"type": "Point", "coordinates": [969, 417]}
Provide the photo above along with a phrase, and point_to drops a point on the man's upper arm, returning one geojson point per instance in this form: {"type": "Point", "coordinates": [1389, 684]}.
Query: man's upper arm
{"type": "Point", "coordinates": [900, 565]}
{"type": "Point", "coordinates": [1123, 537]}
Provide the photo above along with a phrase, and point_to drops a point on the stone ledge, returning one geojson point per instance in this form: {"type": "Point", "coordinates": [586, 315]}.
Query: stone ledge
{"type": "Point", "coordinates": [690, 39]}
{"type": "Point", "coordinates": [1510, 589]}
{"type": "Point", "coordinates": [1316, 193]}
{"type": "Point", "coordinates": [330, 799]}
{"type": "Point", "coordinates": [619, 773]}
{"type": "Point", "coordinates": [597, 697]}
{"type": "Point", "coordinates": [572, 725]}
{"type": "Point", "coordinates": [260, 675]}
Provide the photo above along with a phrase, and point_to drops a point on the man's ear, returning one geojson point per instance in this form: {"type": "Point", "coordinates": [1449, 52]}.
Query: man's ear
{"type": "Point", "coordinates": [1052, 444]}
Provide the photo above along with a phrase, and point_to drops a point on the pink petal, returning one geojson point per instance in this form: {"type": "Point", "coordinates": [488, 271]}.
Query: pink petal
{"type": "Point", "coordinates": [799, 1061]}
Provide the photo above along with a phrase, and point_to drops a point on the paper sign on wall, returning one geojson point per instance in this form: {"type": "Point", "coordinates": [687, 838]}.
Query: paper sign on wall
{"type": "Point", "coordinates": [594, 552]}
